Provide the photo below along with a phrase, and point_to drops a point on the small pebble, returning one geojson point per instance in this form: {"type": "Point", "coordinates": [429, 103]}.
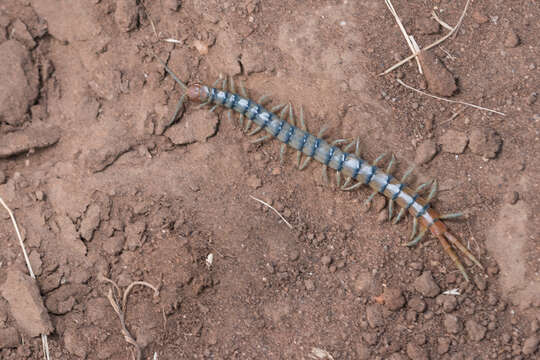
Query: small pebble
{"type": "Point", "coordinates": [416, 352]}
{"type": "Point", "coordinates": [479, 18]}
{"type": "Point", "coordinates": [326, 260]}
{"type": "Point", "coordinates": [531, 99]}
{"type": "Point", "coordinates": [511, 197]}
{"type": "Point", "coordinates": [417, 304]}
{"type": "Point", "coordinates": [452, 324]}
{"type": "Point", "coordinates": [443, 345]}
{"type": "Point", "coordinates": [511, 40]}
{"type": "Point", "coordinates": [309, 284]}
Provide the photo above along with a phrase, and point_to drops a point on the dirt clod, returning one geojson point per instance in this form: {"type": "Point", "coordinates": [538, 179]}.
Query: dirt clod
{"type": "Point", "coordinates": [452, 324]}
{"type": "Point", "coordinates": [90, 222]}
{"type": "Point", "coordinates": [194, 127]}
{"type": "Point", "coordinates": [26, 304]}
{"type": "Point", "coordinates": [74, 342]}
{"type": "Point", "coordinates": [426, 285]}
{"type": "Point", "coordinates": [416, 352]}
{"type": "Point", "coordinates": [374, 315]}
{"type": "Point", "coordinates": [427, 26]}
{"type": "Point", "coordinates": [425, 152]}
{"type": "Point", "coordinates": [126, 15]}
{"type": "Point", "coordinates": [454, 142]}
{"type": "Point", "coordinates": [417, 304]}
{"type": "Point", "coordinates": [440, 80]}
{"type": "Point", "coordinates": [393, 299]}
{"type": "Point", "coordinates": [9, 338]}
{"type": "Point", "coordinates": [443, 345]}
{"type": "Point", "coordinates": [475, 331]}
{"type": "Point", "coordinates": [485, 142]}
{"type": "Point", "coordinates": [530, 345]}
{"type": "Point", "coordinates": [479, 18]}
{"type": "Point", "coordinates": [511, 197]}
{"type": "Point", "coordinates": [30, 138]}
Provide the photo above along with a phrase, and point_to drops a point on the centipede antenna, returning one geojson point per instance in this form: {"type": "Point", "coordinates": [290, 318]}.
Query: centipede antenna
{"type": "Point", "coordinates": [172, 74]}
{"type": "Point", "coordinates": [261, 139]}
{"type": "Point", "coordinates": [379, 159]}
{"type": "Point", "coordinates": [390, 164]}
{"type": "Point", "coordinates": [432, 192]}
{"type": "Point", "coordinates": [451, 216]}
{"type": "Point", "coordinates": [417, 238]}
{"type": "Point", "coordinates": [177, 110]}
{"type": "Point", "coordinates": [243, 90]}
{"type": "Point", "coordinates": [415, 227]}
{"type": "Point", "coordinates": [203, 104]}
{"type": "Point", "coordinates": [400, 214]}
{"type": "Point", "coordinates": [462, 248]}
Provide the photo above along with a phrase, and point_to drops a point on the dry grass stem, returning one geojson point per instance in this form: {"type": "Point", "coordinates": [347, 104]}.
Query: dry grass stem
{"type": "Point", "coordinates": [438, 19]}
{"type": "Point", "coordinates": [277, 212]}
{"type": "Point", "coordinates": [450, 101]}
{"type": "Point", "coordinates": [121, 310]}
{"type": "Point", "coordinates": [44, 340]}
{"type": "Point", "coordinates": [171, 40]}
{"type": "Point", "coordinates": [454, 29]}
{"type": "Point", "coordinates": [404, 32]}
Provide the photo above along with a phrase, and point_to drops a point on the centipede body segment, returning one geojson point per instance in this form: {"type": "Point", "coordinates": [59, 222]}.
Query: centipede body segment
{"type": "Point", "coordinates": [349, 165]}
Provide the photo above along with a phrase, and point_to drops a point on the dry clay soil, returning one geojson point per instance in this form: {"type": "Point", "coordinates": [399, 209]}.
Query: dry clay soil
{"type": "Point", "coordinates": [104, 185]}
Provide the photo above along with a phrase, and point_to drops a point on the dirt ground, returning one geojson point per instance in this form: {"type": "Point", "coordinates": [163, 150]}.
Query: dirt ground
{"type": "Point", "coordinates": [103, 185]}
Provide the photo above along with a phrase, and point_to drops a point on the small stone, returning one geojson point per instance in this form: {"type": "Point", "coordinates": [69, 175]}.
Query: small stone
{"type": "Point", "coordinates": [90, 222]}
{"type": "Point", "coordinates": [393, 299]}
{"type": "Point", "coordinates": [294, 255]}
{"type": "Point", "coordinates": [254, 182]}
{"type": "Point", "coordinates": [448, 302]}
{"type": "Point", "coordinates": [9, 338]}
{"type": "Point", "coordinates": [374, 316]}
{"type": "Point", "coordinates": [452, 324]}
{"type": "Point", "coordinates": [425, 152]}
{"type": "Point", "coordinates": [309, 284]}
{"type": "Point", "coordinates": [415, 352]}
{"type": "Point", "coordinates": [443, 345]}
{"type": "Point", "coordinates": [454, 142]}
{"type": "Point", "coordinates": [485, 142]}
{"type": "Point", "coordinates": [511, 40]}
{"type": "Point", "coordinates": [326, 260]}
{"type": "Point", "coordinates": [475, 331]}
{"type": "Point", "coordinates": [417, 304]}
{"type": "Point", "coordinates": [426, 285]}
{"type": "Point", "coordinates": [530, 345]}
{"type": "Point", "coordinates": [411, 316]}
{"type": "Point", "coordinates": [479, 18]}
{"type": "Point", "coordinates": [26, 304]}
{"type": "Point", "coordinates": [531, 99]}
{"type": "Point", "coordinates": [511, 197]}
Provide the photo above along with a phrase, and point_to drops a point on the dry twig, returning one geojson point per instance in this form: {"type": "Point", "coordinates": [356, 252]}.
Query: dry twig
{"type": "Point", "coordinates": [448, 100]}
{"type": "Point", "coordinates": [454, 29]}
{"type": "Point", "coordinates": [277, 212]}
{"type": "Point", "coordinates": [44, 340]}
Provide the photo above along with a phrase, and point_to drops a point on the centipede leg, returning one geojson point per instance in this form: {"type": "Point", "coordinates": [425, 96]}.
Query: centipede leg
{"type": "Point", "coordinates": [417, 238]}
{"type": "Point", "coordinates": [453, 256]}
{"type": "Point", "coordinates": [415, 227]}
{"type": "Point", "coordinates": [399, 216]}
{"type": "Point", "coordinates": [462, 248]}
{"type": "Point", "coordinates": [261, 139]}
{"type": "Point", "coordinates": [451, 216]}
{"type": "Point", "coordinates": [304, 128]}
{"type": "Point", "coordinates": [391, 201]}
{"type": "Point", "coordinates": [432, 192]}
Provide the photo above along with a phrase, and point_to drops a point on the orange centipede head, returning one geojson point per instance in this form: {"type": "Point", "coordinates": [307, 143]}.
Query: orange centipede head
{"type": "Point", "coordinates": [197, 92]}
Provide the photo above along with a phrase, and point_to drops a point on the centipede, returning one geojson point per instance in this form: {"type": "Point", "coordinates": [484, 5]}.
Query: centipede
{"type": "Point", "coordinates": [335, 155]}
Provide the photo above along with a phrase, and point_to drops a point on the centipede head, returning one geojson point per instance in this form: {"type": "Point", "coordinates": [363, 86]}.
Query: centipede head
{"type": "Point", "coordinates": [197, 93]}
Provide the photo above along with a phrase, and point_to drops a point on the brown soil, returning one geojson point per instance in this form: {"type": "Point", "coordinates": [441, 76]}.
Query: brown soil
{"type": "Point", "coordinates": [102, 184]}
